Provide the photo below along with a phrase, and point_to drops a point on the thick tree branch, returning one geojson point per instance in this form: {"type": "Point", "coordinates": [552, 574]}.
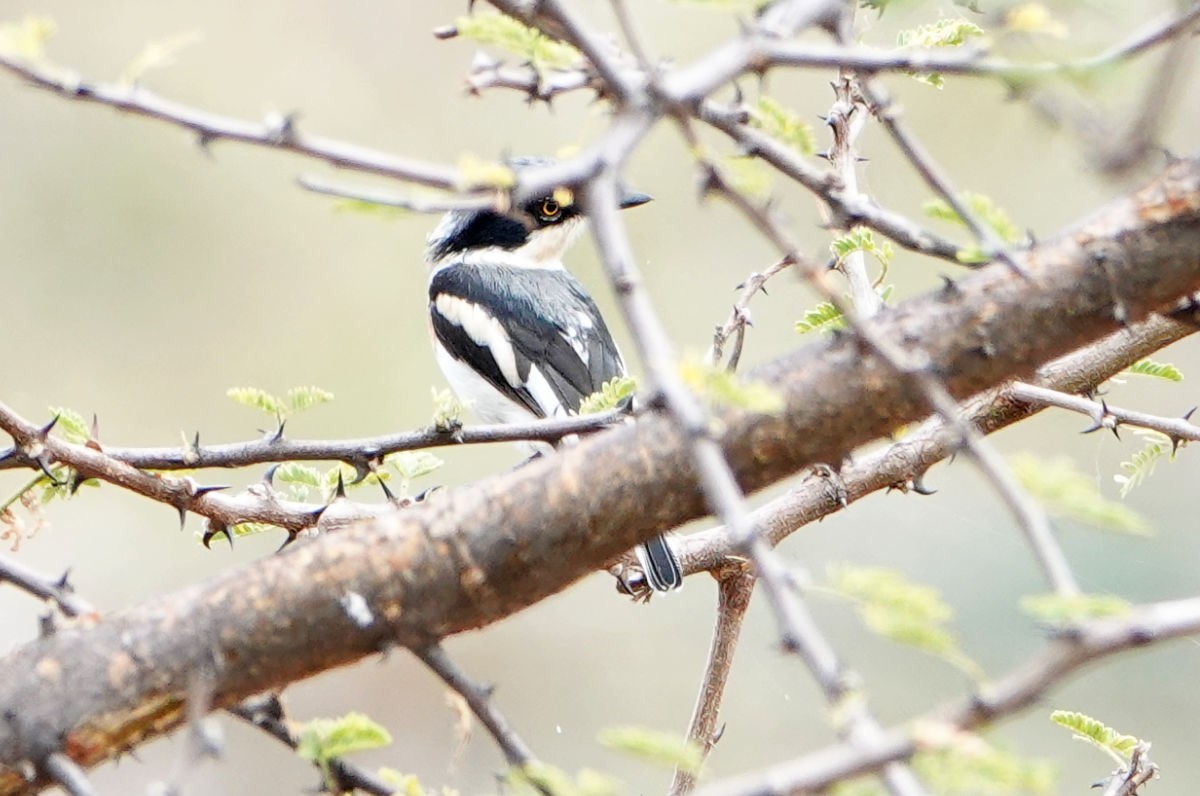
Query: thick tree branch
{"type": "Point", "coordinates": [466, 557]}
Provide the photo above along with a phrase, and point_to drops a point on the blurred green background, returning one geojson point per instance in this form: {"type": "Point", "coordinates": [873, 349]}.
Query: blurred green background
{"type": "Point", "coordinates": [144, 276]}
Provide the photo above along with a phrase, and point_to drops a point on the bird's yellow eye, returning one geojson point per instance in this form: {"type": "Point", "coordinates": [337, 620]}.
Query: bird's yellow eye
{"type": "Point", "coordinates": [549, 209]}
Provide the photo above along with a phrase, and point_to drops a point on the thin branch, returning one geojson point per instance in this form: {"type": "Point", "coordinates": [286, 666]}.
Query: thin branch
{"type": "Point", "coordinates": [375, 196]}
{"type": "Point", "coordinates": [355, 452]}
{"type": "Point", "coordinates": [279, 133]}
{"type": "Point", "coordinates": [848, 211]}
{"type": "Point", "coordinates": [479, 699]}
{"type": "Point", "coordinates": [735, 585]}
{"type": "Point", "coordinates": [846, 119]}
{"type": "Point", "coordinates": [67, 774]}
{"type": "Point", "coordinates": [739, 316]}
{"type": "Point", "coordinates": [58, 591]}
{"type": "Point", "coordinates": [1105, 416]}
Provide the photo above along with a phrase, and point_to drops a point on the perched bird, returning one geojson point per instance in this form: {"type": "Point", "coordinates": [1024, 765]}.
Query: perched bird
{"type": "Point", "coordinates": [516, 335]}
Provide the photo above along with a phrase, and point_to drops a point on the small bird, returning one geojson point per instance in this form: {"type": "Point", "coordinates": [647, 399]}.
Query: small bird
{"type": "Point", "coordinates": [516, 335]}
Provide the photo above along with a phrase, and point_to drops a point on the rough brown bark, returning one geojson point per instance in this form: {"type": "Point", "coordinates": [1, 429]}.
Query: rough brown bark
{"type": "Point", "coordinates": [482, 552]}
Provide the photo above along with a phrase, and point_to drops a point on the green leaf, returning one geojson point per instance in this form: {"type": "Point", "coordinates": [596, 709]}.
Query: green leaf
{"type": "Point", "coordinates": [301, 398]}
{"type": "Point", "coordinates": [1030, 18]}
{"type": "Point", "coordinates": [1141, 465]}
{"type": "Point", "coordinates": [945, 32]}
{"type": "Point", "coordinates": [157, 55]}
{"type": "Point", "coordinates": [723, 388]}
{"type": "Point", "coordinates": [1100, 735]}
{"type": "Point", "coordinates": [506, 33]}
{"type": "Point", "coordinates": [942, 33]}
{"type": "Point", "coordinates": [447, 410]}
{"type": "Point", "coordinates": [784, 125]}
{"type": "Point", "coordinates": [821, 317]}
{"type": "Point", "coordinates": [748, 175]}
{"type": "Point", "coordinates": [1160, 370]}
{"type": "Point", "coordinates": [1066, 492]}
{"type": "Point", "coordinates": [975, 768]}
{"type": "Point", "coordinates": [664, 748]}
{"type": "Point", "coordinates": [368, 208]}
{"type": "Point", "coordinates": [70, 425]}
{"type": "Point", "coordinates": [540, 779]}
{"type": "Point", "coordinates": [251, 529]}
{"type": "Point", "coordinates": [411, 465]}
{"type": "Point", "coordinates": [298, 479]}
{"type": "Point", "coordinates": [613, 394]}
{"type": "Point", "coordinates": [256, 398]}
{"type": "Point", "coordinates": [905, 612]}
{"type": "Point", "coordinates": [982, 206]}
{"type": "Point", "coordinates": [861, 239]}
{"type": "Point", "coordinates": [321, 740]}
{"type": "Point", "coordinates": [27, 39]}
{"type": "Point", "coordinates": [475, 172]}
{"type": "Point", "coordinates": [1056, 609]}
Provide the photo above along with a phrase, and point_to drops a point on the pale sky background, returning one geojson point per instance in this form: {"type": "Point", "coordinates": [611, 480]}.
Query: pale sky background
{"type": "Point", "coordinates": [144, 277]}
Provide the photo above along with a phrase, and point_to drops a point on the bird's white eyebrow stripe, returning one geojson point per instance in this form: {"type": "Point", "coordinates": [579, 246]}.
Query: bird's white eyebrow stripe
{"type": "Point", "coordinates": [484, 329]}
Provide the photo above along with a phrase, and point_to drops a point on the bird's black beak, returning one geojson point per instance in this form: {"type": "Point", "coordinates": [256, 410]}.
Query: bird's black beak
{"type": "Point", "coordinates": [633, 199]}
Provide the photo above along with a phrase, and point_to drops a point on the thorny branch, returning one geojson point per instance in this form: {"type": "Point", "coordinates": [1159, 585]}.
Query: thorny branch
{"type": "Point", "coordinates": [264, 712]}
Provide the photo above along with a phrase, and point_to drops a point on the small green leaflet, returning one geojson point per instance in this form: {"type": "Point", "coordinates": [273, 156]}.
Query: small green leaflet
{"type": "Point", "coordinates": [663, 748]}
{"type": "Point", "coordinates": [822, 316]}
{"type": "Point", "coordinates": [27, 39]}
{"type": "Point", "coordinates": [980, 768]}
{"type": "Point", "coordinates": [1066, 492]}
{"type": "Point", "coordinates": [157, 55]}
{"type": "Point", "coordinates": [298, 399]}
{"type": "Point", "coordinates": [323, 740]}
{"type": "Point", "coordinates": [368, 208]}
{"type": "Point", "coordinates": [611, 395]}
{"type": "Point", "coordinates": [1100, 735]}
{"type": "Point", "coordinates": [861, 239]}
{"type": "Point", "coordinates": [409, 785]}
{"type": "Point", "coordinates": [784, 125]}
{"type": "Point", "coordinates": [298, 479]}
{"type": "Point", "coordinates": [1161, 370]}
{"type": "Point", "coordinates": [508, 34]}
{"type": "Point", "coordinates": [723, 388]}
{"type": "Point", "coordinates": [748, 175]}
{"type": "Point", "coordinates": [982, 206]}
{"type": "Point", "coordinates": [447, 410]}
{"type": "Point", "coordinates": [942, 33]}
{"type": "Point", "coordinates": [1141, 465]}
{"type": "Point", "coordinates": [1056, 609]}
{"type": "Point", "coordinates": [903, 611]}
{"type": "Point", "coordinates": [70, 425]}
{"type": "Point", "coordinates": [538, 779]}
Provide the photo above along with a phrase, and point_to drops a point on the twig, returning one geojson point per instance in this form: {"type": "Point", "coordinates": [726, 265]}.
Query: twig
{"type": "Point", "coordinates": [1105, 416]}
{"type": "Point", "coordinates": [479, 699]}
{"type": "Point", "coordinates": [390, 199]}
{"type": "Point", "coordinates": [355, 452]}
{"type": "Point", "coordinates": [887, 114]}
{"type": "Point", "coordinates": [58, 591]}
{"type": "Point", "coordinates": [1129, 780]}
{"type": "Point", "coordinates": [735, 585]}
{"type": "Point", "coordinates": [739, 316]}
{"type": "Point", "coordinates": [279, 133]}
{"type": "Point", "coordinates": [846, 119]}
{"type": "Point", "coordinates": [66, 773]}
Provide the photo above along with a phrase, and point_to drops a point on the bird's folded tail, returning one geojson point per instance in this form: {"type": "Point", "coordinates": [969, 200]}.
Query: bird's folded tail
{"type": "Point", "coordinates": [660, 564]}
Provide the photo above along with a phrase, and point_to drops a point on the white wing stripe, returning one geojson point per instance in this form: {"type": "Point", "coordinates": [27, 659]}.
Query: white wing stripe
{"type": "Point", "coordinates": [484, 330]}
